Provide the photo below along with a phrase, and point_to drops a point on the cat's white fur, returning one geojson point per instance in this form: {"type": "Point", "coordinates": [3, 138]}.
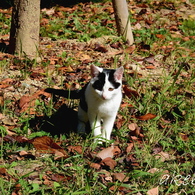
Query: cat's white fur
{"type": "Point", "coordinates": [102, 105]}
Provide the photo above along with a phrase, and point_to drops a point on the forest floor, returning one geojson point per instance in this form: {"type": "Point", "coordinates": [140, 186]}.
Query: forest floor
{"type": "Point", "coordinates": [152, 150]}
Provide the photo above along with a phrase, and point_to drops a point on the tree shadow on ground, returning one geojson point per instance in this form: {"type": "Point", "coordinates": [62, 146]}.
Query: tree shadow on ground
{"type": "Point", "coordinates": [5, 4]}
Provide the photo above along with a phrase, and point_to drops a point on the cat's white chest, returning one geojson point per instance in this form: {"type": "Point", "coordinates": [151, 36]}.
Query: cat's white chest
{"type": "Point", "coordinates": [101, 107]}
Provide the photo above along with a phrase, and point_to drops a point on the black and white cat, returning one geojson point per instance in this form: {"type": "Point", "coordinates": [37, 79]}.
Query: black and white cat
{"type": "Point", "coordinates": [101, 101]}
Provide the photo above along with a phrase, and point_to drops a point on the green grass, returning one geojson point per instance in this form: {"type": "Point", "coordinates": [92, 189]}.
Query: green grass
{"type": "Point", "coordinates": [79, 25]}
{"type": "Point", "coordinates": [5, 22]}
{"type": "Point", "coordinates": [166, 91]}
{"type": "Point", "coordinates": [188, 27]}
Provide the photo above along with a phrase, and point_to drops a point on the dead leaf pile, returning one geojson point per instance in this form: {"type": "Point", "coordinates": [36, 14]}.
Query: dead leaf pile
{"type": "Point", "coordinates": [7, 83]}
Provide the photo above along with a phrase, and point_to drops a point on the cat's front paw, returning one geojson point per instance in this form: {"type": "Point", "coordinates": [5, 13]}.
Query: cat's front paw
{"type": "Point", "coordinates": [98, 141]}
{"type": "Point", "coordinates": [101, 140]}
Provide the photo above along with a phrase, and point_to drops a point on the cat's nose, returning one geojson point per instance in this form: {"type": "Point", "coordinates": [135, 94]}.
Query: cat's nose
{"type": "Point", "coordinates": [103, 97]}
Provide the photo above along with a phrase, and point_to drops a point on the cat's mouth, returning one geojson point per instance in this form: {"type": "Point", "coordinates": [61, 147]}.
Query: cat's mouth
{"type": "Point", "coordinates": [104, 97]}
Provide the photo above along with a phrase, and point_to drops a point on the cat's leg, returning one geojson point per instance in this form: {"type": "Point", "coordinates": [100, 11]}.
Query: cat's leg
{"type": "Point", "coordinates": [82, 120]}
{"type": "Point", "coordinates": [108, 123]}
{"type": "Point", "coordinates": [95, 124]}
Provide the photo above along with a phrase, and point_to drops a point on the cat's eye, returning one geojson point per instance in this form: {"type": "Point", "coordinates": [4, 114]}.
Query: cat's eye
{"type": "Point", "coordinates": [110, 89]}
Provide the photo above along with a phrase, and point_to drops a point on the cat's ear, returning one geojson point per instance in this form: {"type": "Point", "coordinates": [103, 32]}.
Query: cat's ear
{"type": "Point", "coordinates": [119, 73]}
{"type": "Point", "coordinates": [95, 70]}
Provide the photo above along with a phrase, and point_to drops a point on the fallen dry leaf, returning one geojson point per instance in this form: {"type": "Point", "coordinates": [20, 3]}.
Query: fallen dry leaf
{"type": "Point", "coordinates": [66, 69]}
{"type": "Point", "coordinates": [135, 138]}
{"type": "Point", "coordinates": [132, 126]}
{"type": "Point", "coordinates": [2, 116]}
{"type": "Point", "coordinates": [10, 132]}
{"type": "Point", "coordinates": [95, 165]}
{"type": "Point", "coordinates": [153, 170]}
{"type": "Point", "coordinates": [59, 155]}
{"type": "Point", "coordinates": [135, 130]}
{"type": "Point", "coordinates": [59, 177]}
{"type": "Point", "coordinates": [116, 45]}
{"type": "Point", "coordinates": [130, 93]}
{"type": "Point", "coordinates": [50, 11]}
{"type": "Point", "coordinates": [160, 36]}
{"type": "Point", "coordinates": [153, 191]}
{"type": "Point", "coordinates": [164, 156]}
{"type": "Point", "coordinates": [125, 105]}
{"type": "Point", "coordinates": [109, 152]}
{"type": "Point", "coordinates": [7, 81]}
{"type": "Point", "coordinates": [150, 59]}
{"type": "Point", "coordinates": [184, 137]}
{"type": "Point", "coordinates": [16, 188]}
{"type": "Point", "coordinates": [8, 121]}
{"type": "Point", "coordinates": [46, 181]}
{"type": "Point", "coordinates": [146, 117]}
{"type": "Point", "coordinates": [82, 56]}
{"type": "Point", "coordinates": [74, 149]}
{"type": "Point", "coordinates": [23, 153]}
{"type": "Point", "coordinates": [16, 138]}
{"type": "Point", "coordinates": [120, 189]}
{"type": "Point", "coordinates": [24, 102]}
{"type": "Point", "coordinates": [1, 99]}
{"type": "Point", "coordinates": [45, 144]}
{"type": "Point", "coordinates": [108, 179]}
{"type": "Point", "coordinates": [130, 49]}
{"type": "Point", "coordinates": [108, 162]}
{"type": "Point", "coordinates": [129, 147]}
{"type": "Point", "coordinates": [130, 158]}
{"type": "Point", "coordinates": [121, 177]}
{"type": "Point", "coordinates": [27, 103]}
{"type": "Point", "coordinates": [157, 149]}
{"type": "Point", "coordinates": [3, 171]}
{"type": "Point", "coordinates": [150, 67]}
{"type": "Point", "coordinates": [100, 48]}
{"type": "Point", "coordinates": [44, 21]}
{"type": "Point", "coordinates": [4, 86]}
{"type": "Point", "coordinates": [119, 121]}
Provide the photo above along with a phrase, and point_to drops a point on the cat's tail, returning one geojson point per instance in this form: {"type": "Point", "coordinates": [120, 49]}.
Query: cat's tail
{"type": "Point", "coordinates": [70, 94]}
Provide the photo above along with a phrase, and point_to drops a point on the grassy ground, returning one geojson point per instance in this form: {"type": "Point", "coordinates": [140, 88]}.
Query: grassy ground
{"type": "Point", "coordinates": [154, 131]}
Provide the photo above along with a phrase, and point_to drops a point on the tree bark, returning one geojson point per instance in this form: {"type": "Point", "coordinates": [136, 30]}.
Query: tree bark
{"type": "Point", "coordinates": [122, 20]}
{"type": "Point", "coordinates": [25, 26]}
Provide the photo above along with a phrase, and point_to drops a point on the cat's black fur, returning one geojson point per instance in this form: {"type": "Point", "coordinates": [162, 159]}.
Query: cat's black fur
{"type": "Point", "coordinates": [99, 83]}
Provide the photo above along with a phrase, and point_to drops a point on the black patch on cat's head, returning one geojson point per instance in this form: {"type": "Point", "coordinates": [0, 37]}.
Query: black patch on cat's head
{"type": "Point", "coordinates": [112, 79]}
{"type": "Point", "coordinates": [99, 83]}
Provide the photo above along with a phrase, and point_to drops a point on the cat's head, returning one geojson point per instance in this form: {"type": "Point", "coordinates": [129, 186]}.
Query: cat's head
{"type": "Point", "coordinates": [106, 82]}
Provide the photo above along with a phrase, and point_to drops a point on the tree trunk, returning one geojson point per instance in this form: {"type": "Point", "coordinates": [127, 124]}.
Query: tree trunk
{"type": "Point", "coordinates": [122, 20]}
{"type": "Point", "coordinates": [25, 26]}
